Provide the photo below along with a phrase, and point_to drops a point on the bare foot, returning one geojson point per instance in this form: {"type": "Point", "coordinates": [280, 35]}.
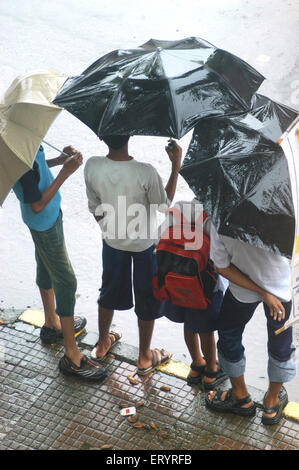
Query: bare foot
{"type": "Point", "coordinates": [147, 360]}
{"type": "Point", "coordinates": [103, 346]}
{"type": "Point", "coordinates": [53, 322]}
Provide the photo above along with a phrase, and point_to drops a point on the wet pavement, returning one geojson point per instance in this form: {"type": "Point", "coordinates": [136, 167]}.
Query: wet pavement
{"type": "Point", "coordinates": [43, 410]}
{"type": "Point", "coordinates": [67, 36]}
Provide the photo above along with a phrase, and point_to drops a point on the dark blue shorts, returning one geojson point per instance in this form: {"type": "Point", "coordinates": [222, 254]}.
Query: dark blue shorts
{"type": "Point", "coordinates": [118, 285]}
{"type": "Point", "coordinates": [196, 321]}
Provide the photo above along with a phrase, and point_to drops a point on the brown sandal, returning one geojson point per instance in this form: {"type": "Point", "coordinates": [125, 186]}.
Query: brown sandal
{"type": "Point", "coordinates": [157, 361]}
{"type": "Point", "coordinates": [114, 337]}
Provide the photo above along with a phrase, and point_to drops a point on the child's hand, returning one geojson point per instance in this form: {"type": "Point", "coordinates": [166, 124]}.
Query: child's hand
{"type": "Point", "coordinates": [72, 163]}
{"type": "Point", "coordinates": [276, 308]}
{"type": "Point", "coordinates": [174, 152]}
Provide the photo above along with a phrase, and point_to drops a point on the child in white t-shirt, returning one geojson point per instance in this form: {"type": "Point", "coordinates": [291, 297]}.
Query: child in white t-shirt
{"type": "Point", "coordinates": [255, 276]}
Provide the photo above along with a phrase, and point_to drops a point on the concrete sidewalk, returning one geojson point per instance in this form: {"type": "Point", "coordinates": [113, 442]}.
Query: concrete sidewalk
{"type": "Point", "coordinates": [43, 410]}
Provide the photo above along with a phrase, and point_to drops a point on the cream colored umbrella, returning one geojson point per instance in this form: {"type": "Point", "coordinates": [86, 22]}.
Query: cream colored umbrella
{"type": "Point", "coordinates": [26, 113]}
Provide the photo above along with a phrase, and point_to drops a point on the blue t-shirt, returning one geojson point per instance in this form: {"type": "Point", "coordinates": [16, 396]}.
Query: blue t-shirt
{"type": "Point", "coordinates": [29, 189]}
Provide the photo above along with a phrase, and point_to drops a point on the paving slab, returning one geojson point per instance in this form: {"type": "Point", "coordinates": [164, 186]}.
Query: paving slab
{"type": "Point", "coordinates": [43, 410]}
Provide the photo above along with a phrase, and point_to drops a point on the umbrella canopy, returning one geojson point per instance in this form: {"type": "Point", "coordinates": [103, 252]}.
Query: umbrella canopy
{"type": "Point", "coordinates": [161, 88]}
{"type": "Point", "coordinates": [240, 175]}
{"type": "Point", "coordinates": [26, 113]}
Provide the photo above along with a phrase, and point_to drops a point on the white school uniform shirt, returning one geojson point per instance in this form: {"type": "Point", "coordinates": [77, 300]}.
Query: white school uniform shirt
{"type": "Point", "coordinates": [270, 271]}
{"type": "Point", "coordinates": [128, 193]}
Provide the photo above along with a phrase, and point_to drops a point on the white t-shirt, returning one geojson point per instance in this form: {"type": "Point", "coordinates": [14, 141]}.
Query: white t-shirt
{"type": "Point", "coordinates": [269, 271]}
{"type": "Point", "coordinates": [128, 194]}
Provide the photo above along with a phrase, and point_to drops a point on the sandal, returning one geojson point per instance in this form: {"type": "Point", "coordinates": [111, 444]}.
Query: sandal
{"type": "Point", "coordinates": [219, 377]}
{"type": "Point", "coordinates": [156, 362]}
{"type": "Point", "coordinates": [87, 370]}
{"type": "Point", "coordinates": [194, 380]}
{"type": "Point", "coordinates": [230, 404]}
{"type": "Point", "coordinates": [114, 338]}
{"type": "Point", "coordinates": [282, 402]}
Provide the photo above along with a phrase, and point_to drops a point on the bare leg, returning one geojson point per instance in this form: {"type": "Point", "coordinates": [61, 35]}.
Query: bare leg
{"type": "Point", "coordinates": [105, 320]}
{"type": "Point", "coordinates": [239, 390]}
{"type": "Point", "coordinates": [271, 398]}
{"type": "Point", "coordinates": [52, 320]}
{"type": "Point", "coordinates": [208, 347]}
{"type": "Point", "coordinates": [192, 343]}
{"type": "Point", "coordinates": [146, 329]}
{"type": "Point", "coordinates": [145, 358]}
{"type": "Point", "coordinates": [71, 349]}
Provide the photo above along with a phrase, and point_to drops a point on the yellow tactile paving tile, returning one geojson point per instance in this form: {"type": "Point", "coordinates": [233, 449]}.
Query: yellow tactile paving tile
{"type": "Point", "coordinates": [176, 368]}
{"type": "Point", "coordinates": [36, 318]}
{"type": "Point", "coordinates": [292, 410]}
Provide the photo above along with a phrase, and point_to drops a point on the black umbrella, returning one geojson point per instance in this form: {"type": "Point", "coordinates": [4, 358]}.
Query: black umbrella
{"type": "Point", "coordinates": [240, 175]}
{"type": "Point", "coordinates": [161, 88]}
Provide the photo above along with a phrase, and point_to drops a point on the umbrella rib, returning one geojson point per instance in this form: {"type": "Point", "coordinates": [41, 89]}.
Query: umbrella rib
{"type": "Point", "coordinates": [228, 86]}
{"type": "Point", "coordinates": [109, 104]}
{"type": "Point", "coordinates": [113, 96]}
{"type": "Point", "coordinates": [251, 190]}
{"type": "Point", "coordinates": [260, 182]}
{"type": "Point", "coordinates": [171, 101]}
{"type": "Point", "coordinates": [121, 86]}
{"type": "Point", "coordinates": [30, 132]}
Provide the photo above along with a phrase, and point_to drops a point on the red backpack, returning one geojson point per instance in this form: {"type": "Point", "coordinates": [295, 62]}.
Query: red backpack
{"type": "Point", "coordinates": [184, 276]}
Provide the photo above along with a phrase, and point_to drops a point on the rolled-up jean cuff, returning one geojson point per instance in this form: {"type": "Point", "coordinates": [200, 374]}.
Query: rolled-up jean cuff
{"type": "Point", "coordinates": [279, 371]}
{"type": "Point", "coordinates": [232, 369]}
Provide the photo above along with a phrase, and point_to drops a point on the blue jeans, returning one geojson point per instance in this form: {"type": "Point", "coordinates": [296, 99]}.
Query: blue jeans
{"type": "Point", "coordinates": [233, 318]}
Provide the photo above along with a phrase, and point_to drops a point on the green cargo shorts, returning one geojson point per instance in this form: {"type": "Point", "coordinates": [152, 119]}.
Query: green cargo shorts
{"type": "Point", "coordinates": [54, 269]}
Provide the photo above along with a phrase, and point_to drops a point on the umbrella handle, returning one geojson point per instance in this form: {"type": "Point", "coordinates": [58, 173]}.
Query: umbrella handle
{"type": "Point", "coordinates": [287, 325]}
{"type": "Point", "coordinates": [55, 148]}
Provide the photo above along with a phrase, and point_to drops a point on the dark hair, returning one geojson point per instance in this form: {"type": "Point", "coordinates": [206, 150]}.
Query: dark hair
{"type": "Point", "coordinates": [115, 141]}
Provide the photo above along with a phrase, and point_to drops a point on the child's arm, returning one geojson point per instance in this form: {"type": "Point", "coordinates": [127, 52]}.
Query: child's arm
{"type": "Point", "coordinates": [62, 158]}
{"type": "Point", "coordinates": [233, 274]}
{"type": "Point", "coordinates": [69, 167]}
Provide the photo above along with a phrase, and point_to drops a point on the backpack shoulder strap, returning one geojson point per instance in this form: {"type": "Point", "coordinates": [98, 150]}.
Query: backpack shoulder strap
{"type": "Point", "coordinates": [177, 214]}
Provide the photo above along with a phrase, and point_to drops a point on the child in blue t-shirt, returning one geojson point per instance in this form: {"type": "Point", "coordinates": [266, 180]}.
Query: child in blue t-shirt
{"type": "Point", "coordinates": [38, 193]}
